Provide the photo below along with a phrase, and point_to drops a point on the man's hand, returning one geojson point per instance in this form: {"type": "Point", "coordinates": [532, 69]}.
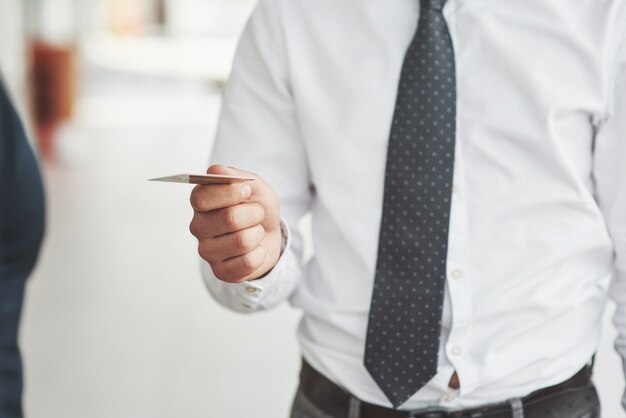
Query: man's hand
{"type": "Point", "coordinates": [237, 226]}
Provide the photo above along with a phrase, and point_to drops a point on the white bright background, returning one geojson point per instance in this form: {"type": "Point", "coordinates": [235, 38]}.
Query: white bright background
{"type": "Point", "coordinates": [117, 322]}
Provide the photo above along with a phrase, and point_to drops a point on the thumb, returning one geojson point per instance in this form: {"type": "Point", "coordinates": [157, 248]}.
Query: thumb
{"type": "Point", "coordinates": [262, 193]}
{"type": "Point", "coordinates": [229, 171]}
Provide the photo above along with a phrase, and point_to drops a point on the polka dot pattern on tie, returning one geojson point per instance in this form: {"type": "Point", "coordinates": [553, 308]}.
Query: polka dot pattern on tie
{"type": "Point", "coordinates": [405, 315]}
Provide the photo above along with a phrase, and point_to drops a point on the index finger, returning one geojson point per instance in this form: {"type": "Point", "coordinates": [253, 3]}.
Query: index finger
{"type": "Point", "coordinates": [205, 198]}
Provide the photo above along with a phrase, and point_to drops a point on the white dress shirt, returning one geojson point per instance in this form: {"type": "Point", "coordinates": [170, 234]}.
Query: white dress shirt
{"type": "Point", "coordinates": [538, 218]}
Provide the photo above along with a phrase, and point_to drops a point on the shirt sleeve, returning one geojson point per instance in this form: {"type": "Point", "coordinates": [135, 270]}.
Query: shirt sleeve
{"type": "Point", "coordinates": [610, 183]}
{"type": "Point", "coordinates": [258, 132]}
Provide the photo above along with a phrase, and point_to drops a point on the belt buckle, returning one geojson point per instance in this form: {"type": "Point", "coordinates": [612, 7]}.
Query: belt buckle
{"type": "Point", "coordinates": [442, 414]}
{"type": "Point", "coordinates": [430, 414]}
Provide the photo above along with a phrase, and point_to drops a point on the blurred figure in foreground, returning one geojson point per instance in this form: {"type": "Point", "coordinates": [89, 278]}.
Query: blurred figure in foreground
{"type": "Point", "coordinates": [21, 231]}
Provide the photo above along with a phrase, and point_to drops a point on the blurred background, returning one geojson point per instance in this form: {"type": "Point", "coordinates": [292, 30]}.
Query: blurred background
{"type": "Point", "coordinates": [117, 322]}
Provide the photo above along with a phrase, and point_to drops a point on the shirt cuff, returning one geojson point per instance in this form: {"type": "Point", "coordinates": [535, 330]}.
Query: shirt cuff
{"type": "Point", "coordinates": [248, 296]}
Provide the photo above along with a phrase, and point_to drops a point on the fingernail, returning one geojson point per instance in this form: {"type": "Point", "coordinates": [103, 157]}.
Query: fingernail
{"type": "Point", "coordinates": [246, 191]}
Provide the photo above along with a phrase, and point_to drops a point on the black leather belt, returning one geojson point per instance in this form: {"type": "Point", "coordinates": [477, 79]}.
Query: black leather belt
{"type": "Point", "coordinates": [334, 401]}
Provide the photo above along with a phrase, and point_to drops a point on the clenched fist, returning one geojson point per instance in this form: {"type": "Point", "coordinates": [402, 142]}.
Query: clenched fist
{"type": "Point", "coordinates": [237, 226]}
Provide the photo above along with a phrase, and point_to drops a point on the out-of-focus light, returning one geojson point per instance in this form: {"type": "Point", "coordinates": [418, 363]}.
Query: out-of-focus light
{"type": "Point", "coordinates": [128, 18]}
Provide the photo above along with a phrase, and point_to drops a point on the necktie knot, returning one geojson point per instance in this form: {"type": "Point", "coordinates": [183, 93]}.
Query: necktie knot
{"type": "Point", "coordinates": [432, 5]}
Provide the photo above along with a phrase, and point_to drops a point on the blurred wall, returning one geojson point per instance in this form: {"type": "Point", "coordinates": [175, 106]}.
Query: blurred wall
{"type": "Point", "coordinates": [56, 22]}
{"type": "Point", "coordinates": [203, 17]}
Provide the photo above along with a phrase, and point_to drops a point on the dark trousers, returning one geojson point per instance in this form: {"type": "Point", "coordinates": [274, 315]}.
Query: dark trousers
{"type": "Point", "coordinates": [12, 292]}
{"type": "Point", "coordinates": [577, 399]}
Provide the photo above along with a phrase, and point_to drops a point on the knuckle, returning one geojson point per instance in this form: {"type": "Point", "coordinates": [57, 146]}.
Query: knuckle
{"type": "Point", "coordinates": [244, 241]}
{"type": "Point", "coordinates": [193, 227]}
{"type": "Point", "coordinates": [224, 273]}
{"type": "Point", "coordinates": [250, 262]}
{"type": "Point", "coordinates": [247, 264]}
{"type": "Point", "coordinates": [219, 271]}
{"type": "Point", "coordinates": [230, 218]}
{"type": "Point", "coordinates": [258, 233]}
{"type": "Point", "coordinates": [196, 199]}
{"type": "Point", "coordinates": [205, 251]}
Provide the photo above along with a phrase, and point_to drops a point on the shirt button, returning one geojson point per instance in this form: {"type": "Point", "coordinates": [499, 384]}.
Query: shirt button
{"type": "Point", "coordinates": [455, 188]}
{"type": "Point", "coordinates": [251, 289]}
{"type": "Point", "coordinates": [456, 350]}
{"type": "Point", "coordinates": [457, 274]}
{"type": "Point", "coordinates": [448, 398]}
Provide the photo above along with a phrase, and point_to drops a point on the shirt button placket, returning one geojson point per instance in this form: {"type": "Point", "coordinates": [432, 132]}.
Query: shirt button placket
{"type": "Point", "coordinates": [457, 275]}
{"type": "Point", "coordinates": [456, 350]}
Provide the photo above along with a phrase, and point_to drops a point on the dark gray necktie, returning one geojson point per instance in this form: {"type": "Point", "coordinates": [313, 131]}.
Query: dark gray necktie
{"type": "Point", "coordinates": [405, 315]}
